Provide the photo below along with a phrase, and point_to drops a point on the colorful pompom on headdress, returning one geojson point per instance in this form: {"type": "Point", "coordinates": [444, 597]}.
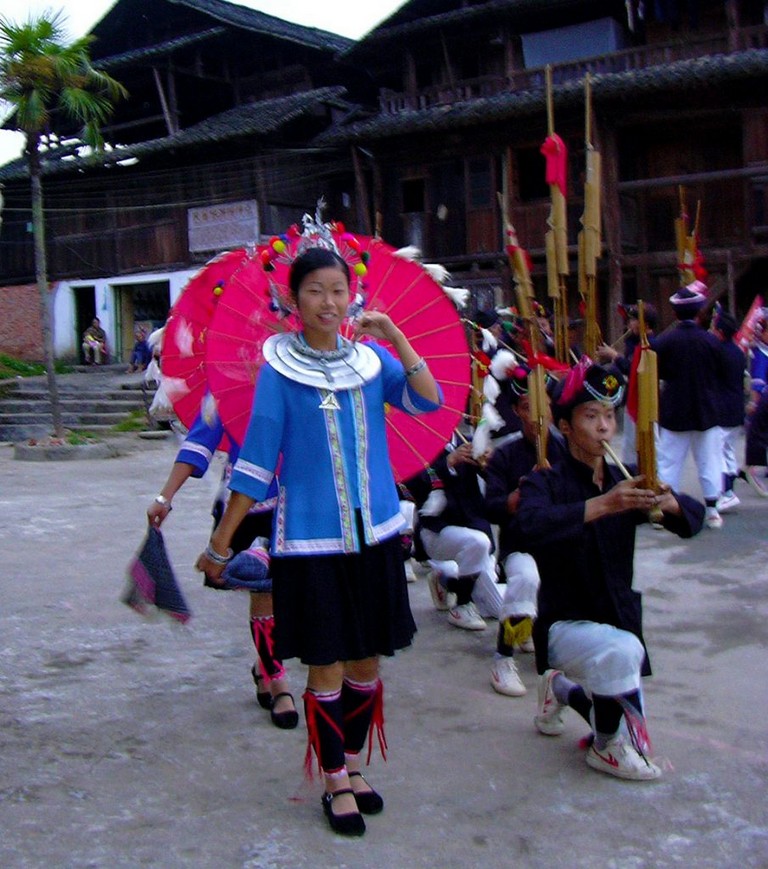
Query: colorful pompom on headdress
{"type": "Point", "coordinates": [588, 381]}
{"type": "Point", "coordinates": [315, 233]}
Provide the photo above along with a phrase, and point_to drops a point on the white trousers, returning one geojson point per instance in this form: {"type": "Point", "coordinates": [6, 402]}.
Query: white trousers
{"type": "Point", "coordinates": [706, 447]}
{"type": "Point", "coordinates": [94, 349]}
{"type": "Point", "coordinates": [407, 509]}
{"type": "Point", "coordinates": [457, 551]}
{"type": "Point", "coordinates": [602, 659]}
{"type": "Point", "coordinates": [730, 460]}
{"type": "Point", "coordinates": [522, 589]}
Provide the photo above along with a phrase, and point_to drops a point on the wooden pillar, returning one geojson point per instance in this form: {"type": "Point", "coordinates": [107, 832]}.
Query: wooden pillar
{"type": "Point", "coordinates": [361, 194]}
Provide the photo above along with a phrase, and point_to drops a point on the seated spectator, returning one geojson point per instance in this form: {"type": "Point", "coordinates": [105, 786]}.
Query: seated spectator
{"type": "Point", "coordinates": [94, 343]}
{"type": "Point", "coordinates": [141, 354]}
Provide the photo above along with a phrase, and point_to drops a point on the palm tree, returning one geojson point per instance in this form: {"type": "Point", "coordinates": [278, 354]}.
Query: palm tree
{"type": "Point", "coordinates": [50, 85]}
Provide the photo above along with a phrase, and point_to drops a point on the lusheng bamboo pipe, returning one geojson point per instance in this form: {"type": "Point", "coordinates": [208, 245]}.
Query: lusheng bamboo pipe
{"type": "Point", "coordinates": [655, 514]}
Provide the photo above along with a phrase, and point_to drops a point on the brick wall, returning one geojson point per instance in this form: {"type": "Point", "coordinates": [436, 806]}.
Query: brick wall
{"type": "Point", "coordinates": [21, 333]}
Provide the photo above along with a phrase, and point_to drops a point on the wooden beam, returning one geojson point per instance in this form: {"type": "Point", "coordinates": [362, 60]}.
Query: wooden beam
{"type": "Point", "coordinates": [757, 171]}
{"type": "Point", "coordinates": [163, 102]}
{"type": "Point", "coordinates": [361, 193]}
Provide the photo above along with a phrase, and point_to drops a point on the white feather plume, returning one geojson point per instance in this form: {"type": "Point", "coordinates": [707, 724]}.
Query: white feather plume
{"type": "Point", "coordinates": [491, 417]}
{"type": "Point", "coordinates": [458, 295]}
{"type": "Point", "coordinates": [503, 364]}
{"type": "Point", "coordinates": [481, 440]}
{"type": "Point", "coordinates": [409, 252]}
{"type": "Point", "coordinates": [174, 387]}
{"type": "Point", "coordinates": [438, 272]}
{"type": "Point", "coordinates": [161, 407]}
{"type": "Point", "coordinates": [155, 339]}
{"type": "Point", "coordinates": [184, 339]}
{"type": "Point", "coordinates": [491, 389]}
{"type": "Point", "coordinates": [489, 341]}
{"type": "Point", "coordinates": [152, 374]}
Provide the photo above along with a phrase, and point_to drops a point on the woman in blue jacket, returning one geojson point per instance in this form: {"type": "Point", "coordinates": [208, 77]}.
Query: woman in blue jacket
{"type": "Point", "coordinates": [339, 589]}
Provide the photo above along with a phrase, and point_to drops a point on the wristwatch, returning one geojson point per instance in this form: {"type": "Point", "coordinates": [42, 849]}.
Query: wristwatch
{"type": "Point", "coordinates": [163, 501]}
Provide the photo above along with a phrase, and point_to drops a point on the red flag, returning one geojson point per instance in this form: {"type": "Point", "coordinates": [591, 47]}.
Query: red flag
{"type": "Point", "coordinates": [747, 331]}
{"type": "Point", "coordinates": [557, 161]}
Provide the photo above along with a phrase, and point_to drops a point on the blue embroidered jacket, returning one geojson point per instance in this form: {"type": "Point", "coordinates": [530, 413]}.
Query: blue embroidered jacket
{"type": "Point", "coordinates": [202, 440]}
{"type": "Point", "coordinates": [332, 462]}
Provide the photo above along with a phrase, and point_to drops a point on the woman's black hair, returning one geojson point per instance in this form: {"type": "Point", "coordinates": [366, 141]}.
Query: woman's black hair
{"type": "Point", "coordinates": [311, 260]}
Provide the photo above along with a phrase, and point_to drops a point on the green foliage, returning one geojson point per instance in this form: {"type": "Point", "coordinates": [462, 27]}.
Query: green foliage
{"type": "Point", "coordinates": [45, 79]}
{"type": "Point", "coordinates": [136, 422]}
{"type": "Point", "coordinates": [11, 368]}
{"type": "Point", "coordinates": [78, 438]}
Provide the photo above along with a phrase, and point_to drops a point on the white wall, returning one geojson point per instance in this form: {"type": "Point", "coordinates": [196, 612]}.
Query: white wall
{"type": "Point", "coordinates": [66, 342]}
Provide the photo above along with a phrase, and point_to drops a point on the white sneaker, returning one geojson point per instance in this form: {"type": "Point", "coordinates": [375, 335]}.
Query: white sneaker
{"type": "Point", "coordinates": [466, 616]}
{"type": "Point", "coordinates": [437, 590]}
{"type": "Point", "coordinates": [505, 679]}
{"type": "Point", "coordinates": [727, 501]}
{"type": "Point", "coordinates": [410, 576]}
{"type": "Point", "coordinates": [620, 758]}
{"type": "Point", "coordinates": [713, 519]}
{"type": "Point", "coordinates": [550, 719]}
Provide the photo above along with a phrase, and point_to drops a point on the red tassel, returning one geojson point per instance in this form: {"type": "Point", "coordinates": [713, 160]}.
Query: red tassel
{"type": "Point", "coordinates": [636, 726]}
{"type": "Point", "coordinates": [312, 708]}
{"type": "Point", "coordinates": [262, 627]}
{"type": "Point", "coordinates": [377, 722]}
{"type": "Point", "coordinates": [375, 699]}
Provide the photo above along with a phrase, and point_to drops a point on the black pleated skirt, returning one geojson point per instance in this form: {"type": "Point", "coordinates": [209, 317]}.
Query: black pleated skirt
{"type": "Point", "coordinates": [332, 608]}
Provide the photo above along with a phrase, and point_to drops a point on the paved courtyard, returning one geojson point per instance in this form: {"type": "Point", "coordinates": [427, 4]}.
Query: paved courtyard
{"type": "Point", "coordinates": [135, 743]}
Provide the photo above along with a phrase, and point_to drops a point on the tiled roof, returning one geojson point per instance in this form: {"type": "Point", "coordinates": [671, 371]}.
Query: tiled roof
{"type": "Point", "coordinates": [253, 119]}
{"type": "Point", "coordinates": [683, 76]}
{"type": "Point", "coordinates": [259, 22]}
{"type": "Point", "coordinates": [159, 49]}
{"type": "Point", "coordinates": [418, 17]}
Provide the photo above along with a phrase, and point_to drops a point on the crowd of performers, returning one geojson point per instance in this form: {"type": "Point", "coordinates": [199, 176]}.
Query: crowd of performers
{"type": "Point", "coordinates": [327, 555]}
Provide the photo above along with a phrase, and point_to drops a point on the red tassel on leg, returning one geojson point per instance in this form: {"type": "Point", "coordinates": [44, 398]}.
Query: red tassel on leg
{"type": "Point", "coordinates": [262, 628]}
{"type": "Point", "coordinates": [363, 713]}
{"type": "Point", "coordinates": [325, 734]}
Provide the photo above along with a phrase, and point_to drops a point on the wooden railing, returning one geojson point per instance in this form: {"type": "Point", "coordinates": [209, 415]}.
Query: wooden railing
{"type": "Point", "coordinates": [627, 60]}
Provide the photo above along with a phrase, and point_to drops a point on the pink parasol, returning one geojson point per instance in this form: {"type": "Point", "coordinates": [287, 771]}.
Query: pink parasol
{"type": "Point", "coordinates": [254, 305]}
{"type": "Point", "coordinates": [183, 354]}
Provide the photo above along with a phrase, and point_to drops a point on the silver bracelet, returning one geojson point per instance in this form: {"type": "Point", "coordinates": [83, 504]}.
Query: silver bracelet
{"type": "Point", "coordinates": [420, 365]}
{"type": "Point", "coordinates": [163, 501]}
{"type": "Point", "coordinates": [215, 557]}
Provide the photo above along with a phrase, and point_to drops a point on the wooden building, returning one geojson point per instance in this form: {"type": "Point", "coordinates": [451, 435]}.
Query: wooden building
{"type": "Point", "coordinates": [415, 128]}
{"type": "Point", "coordinates": [678, 99]}
{"type": "Point", "coordinates": [210, 150]}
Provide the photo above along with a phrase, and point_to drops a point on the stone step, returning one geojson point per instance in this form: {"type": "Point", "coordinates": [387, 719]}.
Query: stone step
{"type": "Point", "coordinates": [91, 399]}
{"type": "Point", "coordinates": [121, 393]}
{"type": "Point", "coordinates": [73, 405]}
{"type": "Point", "coordinates": [69, 419]}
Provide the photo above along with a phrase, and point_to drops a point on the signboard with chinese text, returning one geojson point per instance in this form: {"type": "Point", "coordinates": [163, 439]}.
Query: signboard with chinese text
{"type": "Point", "coordinates": [223, 227]}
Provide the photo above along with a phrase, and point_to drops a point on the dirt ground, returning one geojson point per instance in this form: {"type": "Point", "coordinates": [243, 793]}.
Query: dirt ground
{"type": "Point", "coordinates": [135, 743]}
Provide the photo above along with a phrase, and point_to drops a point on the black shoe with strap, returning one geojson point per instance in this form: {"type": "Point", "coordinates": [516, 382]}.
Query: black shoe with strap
{"type": "Point", "coordinates": [288, 719]}
{"type": "Point", "coordinates": [369, 802]}
{"type": "Point", "coordinates": [264, 698]}
{"type": "Point", "coordinates": [349, 824]}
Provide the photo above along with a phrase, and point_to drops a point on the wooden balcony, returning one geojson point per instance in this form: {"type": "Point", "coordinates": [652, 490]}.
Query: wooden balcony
{"type": "Point", "coordinates": [628, 60]}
